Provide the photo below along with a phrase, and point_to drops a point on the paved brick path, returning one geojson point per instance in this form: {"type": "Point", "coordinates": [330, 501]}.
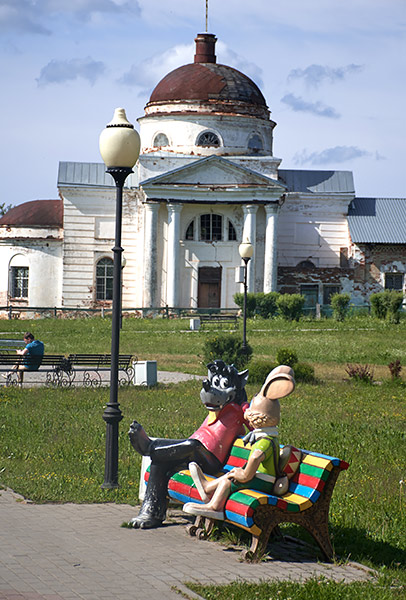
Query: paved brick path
{"type": "Point", "coordinates": [69, 552]}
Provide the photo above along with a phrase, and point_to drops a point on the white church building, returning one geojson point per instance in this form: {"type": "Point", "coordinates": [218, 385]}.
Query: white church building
{"type": "Point", "coordinates": [206, 180]}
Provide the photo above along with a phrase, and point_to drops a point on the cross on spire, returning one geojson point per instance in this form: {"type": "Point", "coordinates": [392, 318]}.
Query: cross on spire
{"type": "Point", "coordinates": [207, 16]}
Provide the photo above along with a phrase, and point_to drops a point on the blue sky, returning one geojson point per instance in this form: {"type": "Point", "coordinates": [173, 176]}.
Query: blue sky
{"type": "Point", "coordinates": [333, 73]}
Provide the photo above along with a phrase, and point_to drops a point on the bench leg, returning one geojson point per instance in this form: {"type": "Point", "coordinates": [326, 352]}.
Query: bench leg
{"type": "Point", "coordinates": [318, 528]}
{"type": "Point", "coordinates": [201, 528]}
{"type": "Point", "coordinates": [259, 542]}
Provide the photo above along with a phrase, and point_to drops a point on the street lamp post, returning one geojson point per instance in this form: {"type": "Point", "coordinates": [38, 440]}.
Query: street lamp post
{"type": "Point", "coordinates": [123, 264]}
{"type": "Point", "coordinates": [246, 251]}
{"type": "Point", "coordinates": [119, 148]}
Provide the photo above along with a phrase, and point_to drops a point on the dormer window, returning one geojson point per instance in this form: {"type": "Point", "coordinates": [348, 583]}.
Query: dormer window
{"type": "Point", "coordinates": [160, 140]}
{"type": "Point", "coordinates": [255, 143]}
{"type": "Point", "coordinates": [208, 138]}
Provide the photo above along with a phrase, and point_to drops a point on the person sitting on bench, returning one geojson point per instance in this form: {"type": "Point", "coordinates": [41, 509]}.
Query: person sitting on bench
{"type": "Point", "coordinates": [31, 356]}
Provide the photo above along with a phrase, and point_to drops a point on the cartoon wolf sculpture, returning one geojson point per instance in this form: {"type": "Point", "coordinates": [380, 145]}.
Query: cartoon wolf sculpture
{"type": "Point", "coordinates": [224, 396]}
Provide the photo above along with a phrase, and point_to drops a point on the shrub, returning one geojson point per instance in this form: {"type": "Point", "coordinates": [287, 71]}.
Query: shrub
{"type": "Point", "coordinates": [228, 348]}
{"type": "Point", "coordinates": [394, 301]}
{"type": "Point", "coordinates": [362, 373]}
{"type": "Point", "coordinates": [286, 356]}
{"type": "Point", "coordinates": [251, 302]}
{"type": "Point", "coordinates": [387, 304]}
{"type": "Point", "coordinates": [258, 371]}
{"type": "Point", "coordinates": [267, 304]}
{"type": "Point", "coordinates": [304, 373]}
{"type": "Point", "coordinates": [395, 368]}
{"type": "Point", "coordinates": [378, 305]}
{"type": "Point", "coordinates": [340, 304]}
{"type": "Point", "coordinates": [290, 306]}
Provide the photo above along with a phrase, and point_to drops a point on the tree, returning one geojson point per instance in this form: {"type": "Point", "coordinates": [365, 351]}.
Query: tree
{"type": "Point", "coordinates": [4, 208]}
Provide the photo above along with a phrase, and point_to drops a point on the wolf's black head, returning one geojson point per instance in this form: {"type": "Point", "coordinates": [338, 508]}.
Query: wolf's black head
{"type": "Point", "coordinates": [223, 385]}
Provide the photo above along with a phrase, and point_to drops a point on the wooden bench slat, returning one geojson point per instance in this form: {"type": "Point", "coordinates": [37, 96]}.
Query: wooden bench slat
{"type": "Point", "coordinates": [313, 471]}
{"type": "Point", "coordinates": [317, 461]}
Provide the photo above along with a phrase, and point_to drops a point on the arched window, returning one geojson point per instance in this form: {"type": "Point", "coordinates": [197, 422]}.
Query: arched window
{"type": "Point", "coordinates": [19, 282]}
{"type": "Point", "coordinates": [208, 138]}
{"type": "Point", "coordinates": [190, 231]}
{"type": "Point", "coordinates": [211, 228]}
{"type": "Point", "coordinates": [104, 279]}
{"type": "Point", "coordinates": [232, 234]}
{"type": "Point", "coordinates": [306, 264]}
{"type": "Point", "coordinates": [160, 140]}
{"type": "Point", "coordinates": [255, 142]}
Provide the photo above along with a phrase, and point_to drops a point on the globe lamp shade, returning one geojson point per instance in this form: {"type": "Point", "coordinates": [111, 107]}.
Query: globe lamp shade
{"type": "Point", "coordinates": [246, 250]}
{"type": "Point", "coordinates": [119, 142]}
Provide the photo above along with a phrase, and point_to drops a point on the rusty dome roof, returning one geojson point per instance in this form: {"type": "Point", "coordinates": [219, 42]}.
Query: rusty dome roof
{"type": "Point", "coordinates": [205, 81]}
{"type": "Point", "coordinates": [37, 213]}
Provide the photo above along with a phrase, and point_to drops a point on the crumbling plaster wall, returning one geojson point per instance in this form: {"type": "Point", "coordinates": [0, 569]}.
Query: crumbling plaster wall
{"type": "Point", "coordinates": [371, 263]}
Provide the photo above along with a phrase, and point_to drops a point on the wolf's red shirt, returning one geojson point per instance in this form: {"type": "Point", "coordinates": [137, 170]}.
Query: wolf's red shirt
{"type": "Point", "coordinates": [218, 434]}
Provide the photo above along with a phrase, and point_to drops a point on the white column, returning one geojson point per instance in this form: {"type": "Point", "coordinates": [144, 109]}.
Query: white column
{"type": "Point", "coordinates": [250, 234]}
{"type": "Point", "coordinates": [173, 255]}
{"type": "Point", "coordinates": [150, 254]}
{"type": "Point", "coordinates": [271, 262]}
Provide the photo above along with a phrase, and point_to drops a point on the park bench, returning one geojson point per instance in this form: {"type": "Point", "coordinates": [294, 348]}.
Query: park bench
{"type": "Point", "coordinates": [7, 345]}
{"type": "Point", "coordinates": [57, 369]}
{"type": "Point", "coordinates": [306, 502]}
{"type": "Point", "coordinates": [65, 371]}
{"type": "Point", "coordinates": [90, 367]}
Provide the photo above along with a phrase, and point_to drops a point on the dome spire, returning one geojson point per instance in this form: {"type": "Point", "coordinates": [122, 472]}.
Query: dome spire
{"type": "Point", "coordinates": [205, 48]}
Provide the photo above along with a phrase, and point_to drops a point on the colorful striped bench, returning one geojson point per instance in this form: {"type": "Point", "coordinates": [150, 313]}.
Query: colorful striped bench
{"type": "Point", "coordinates": [306, 503]}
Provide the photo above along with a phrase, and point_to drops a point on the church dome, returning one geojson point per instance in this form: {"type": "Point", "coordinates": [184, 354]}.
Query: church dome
{"type": "Point", "coordinates": [218, 88]}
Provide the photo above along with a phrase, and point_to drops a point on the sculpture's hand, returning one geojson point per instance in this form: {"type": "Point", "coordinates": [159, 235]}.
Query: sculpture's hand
{"type": "Point", "coordinates": [133, 427]}
{"type": "Point", "coordinates": [249, 438]}
{"type": "Point", "coordinates": [237, 474]}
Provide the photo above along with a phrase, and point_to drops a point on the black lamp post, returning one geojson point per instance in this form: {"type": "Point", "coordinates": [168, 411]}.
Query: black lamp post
{"type": "Point", "coordinates": [246, 251]}
{"type": "Point", "coordinates": [120, 148]}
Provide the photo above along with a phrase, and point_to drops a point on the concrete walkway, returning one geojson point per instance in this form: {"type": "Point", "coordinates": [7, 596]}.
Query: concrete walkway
{"type": "Point", "coordinates": [69, 552]}
{"type": "Point", "coordinates": [38, 378]}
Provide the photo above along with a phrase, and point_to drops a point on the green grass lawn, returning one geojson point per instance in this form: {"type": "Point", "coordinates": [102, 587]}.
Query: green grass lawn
{"type": "Point", "coordinates": [325, 343]}
{"type": "Point", "coordinates": [52, 441]}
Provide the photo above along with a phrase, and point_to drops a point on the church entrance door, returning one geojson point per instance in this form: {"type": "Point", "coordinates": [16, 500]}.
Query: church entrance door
{"type": "Point", "coordinates": [209, 290]}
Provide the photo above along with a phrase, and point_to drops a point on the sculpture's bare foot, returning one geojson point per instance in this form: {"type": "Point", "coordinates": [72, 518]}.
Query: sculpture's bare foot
{"type": "Point", "coordinates": [145, 522]}
{"type": "Point", "coordinates": [199, 480]}
{"type": "Point", "coordinates": [139, 439]}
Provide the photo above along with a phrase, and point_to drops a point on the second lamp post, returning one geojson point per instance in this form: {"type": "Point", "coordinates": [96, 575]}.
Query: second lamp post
{"type": "Point", "coordinates": [246, 251]}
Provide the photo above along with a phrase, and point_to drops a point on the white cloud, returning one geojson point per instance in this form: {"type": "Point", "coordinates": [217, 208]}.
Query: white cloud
{"type": "Point", "coordinates": [314, 75]}
{"type": "Point", "coordinates": [338, 154]}
{"type": "Point", "coordinates": [60, 71]}
{"type": "Point", "coordinates": [21, 16]}
{"type": "Point", "coordinates": [226, 56]}
{"type": "Point", "coordinates": [147, 74]}
{"type": "Point", "coordinates": [319, 109]}
{"type": "Point", "coordinates": [37, 17]}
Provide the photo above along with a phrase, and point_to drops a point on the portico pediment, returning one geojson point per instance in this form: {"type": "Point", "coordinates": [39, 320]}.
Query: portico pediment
{"type": "Point", "coordinates": [212, 171]}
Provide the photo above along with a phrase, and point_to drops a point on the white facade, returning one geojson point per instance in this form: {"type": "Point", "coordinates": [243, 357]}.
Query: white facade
{"type": "Point", "coordinates": [206, 180]}
{"type": "Point", "coordinates": [38, 253]}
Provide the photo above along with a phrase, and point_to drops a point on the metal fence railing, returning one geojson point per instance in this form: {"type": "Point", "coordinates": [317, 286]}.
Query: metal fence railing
{"type": "Point", "coordinates": [33, 312]}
